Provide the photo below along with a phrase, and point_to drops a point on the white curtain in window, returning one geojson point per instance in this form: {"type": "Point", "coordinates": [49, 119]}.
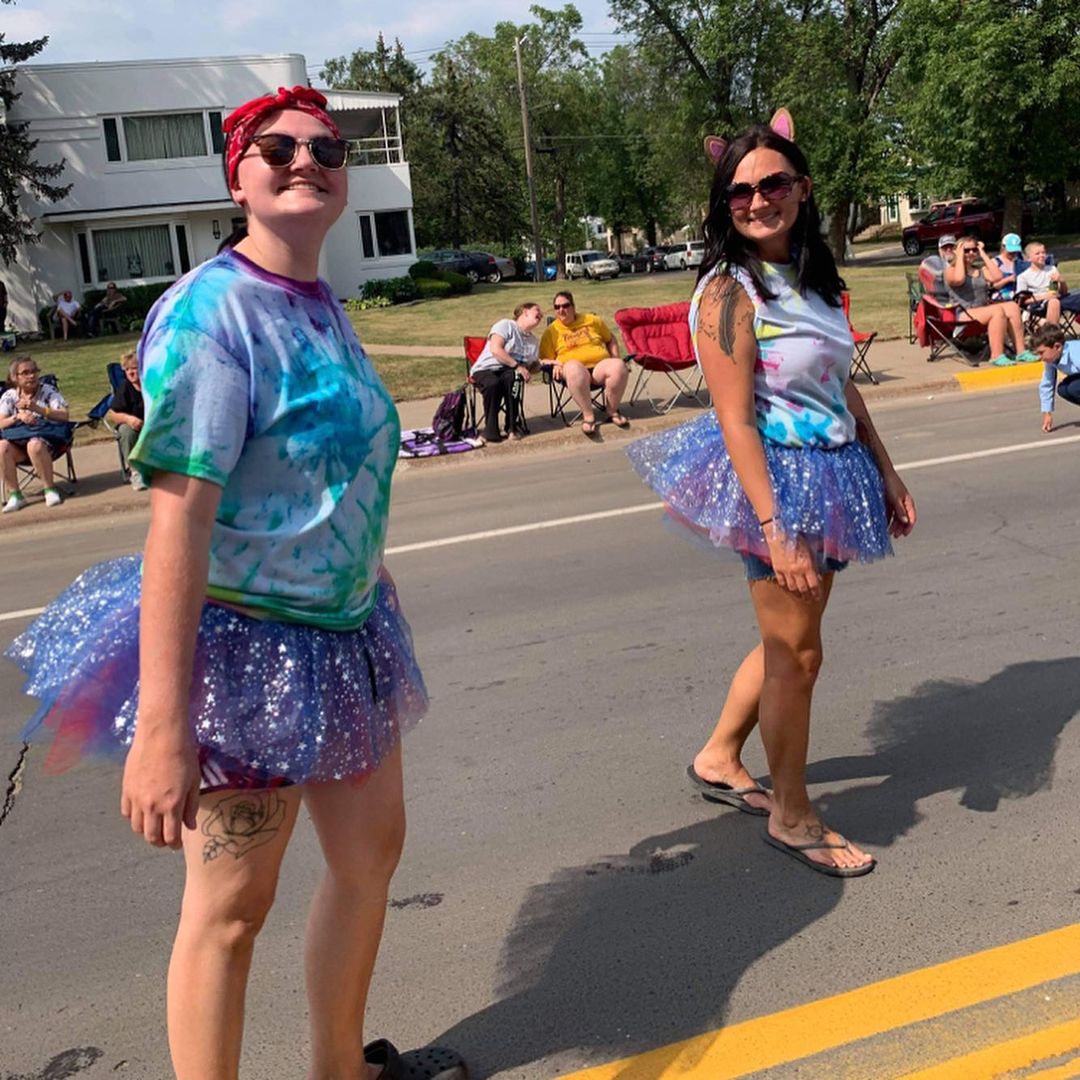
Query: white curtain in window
{"type": "Point", "coordinates": [174, 135]}
{"type": "Point", "coordinates": [142, 252]}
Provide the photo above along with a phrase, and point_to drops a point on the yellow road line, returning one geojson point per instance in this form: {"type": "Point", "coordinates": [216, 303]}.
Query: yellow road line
{"type": "Point", "coordinates": [894, 1003]}
{"type": "Point", "coordinates": [998, 376]}
{"type": "Point", "coordinates": [1012, 1056]}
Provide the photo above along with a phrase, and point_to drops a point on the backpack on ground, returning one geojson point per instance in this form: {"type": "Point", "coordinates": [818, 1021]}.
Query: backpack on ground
{"type": "Point", "coordinates": [448, 422]}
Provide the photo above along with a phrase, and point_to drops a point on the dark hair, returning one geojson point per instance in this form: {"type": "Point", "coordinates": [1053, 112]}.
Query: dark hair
{"type": "Point", "coordinates": [1046, 337]}
{"type": "Point", "coordinates": [240, 232]}
{"type": "Point", "coordinates": [569, 296]}
{"type": "Point", "coordinates": [524, 307]}
{"type": "Point", "coordinates": [815, 267]}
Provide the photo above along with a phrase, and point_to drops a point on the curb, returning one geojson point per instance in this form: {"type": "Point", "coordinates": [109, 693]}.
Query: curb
{"type": "Point", "coordinates": [992, 378]}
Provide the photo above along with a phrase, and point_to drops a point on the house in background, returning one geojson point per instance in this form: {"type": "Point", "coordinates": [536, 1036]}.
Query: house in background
{"type": "Point", "coordinates": [142, 141]}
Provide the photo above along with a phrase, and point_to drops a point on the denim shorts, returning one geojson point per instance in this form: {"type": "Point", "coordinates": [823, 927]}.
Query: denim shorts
{"type": "Point", "coordinates": [759, 570]}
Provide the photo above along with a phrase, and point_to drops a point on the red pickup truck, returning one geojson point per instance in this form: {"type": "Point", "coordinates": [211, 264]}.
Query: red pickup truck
{"type": "Point", "coordinates": [967, 217]}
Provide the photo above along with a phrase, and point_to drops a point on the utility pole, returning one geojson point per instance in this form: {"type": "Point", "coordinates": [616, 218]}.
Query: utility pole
{"type": "Point", "coordinates": [538, 253]}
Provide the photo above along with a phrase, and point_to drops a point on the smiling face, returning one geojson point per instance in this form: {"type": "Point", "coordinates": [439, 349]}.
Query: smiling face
{"type": "Point", "coordinates": [767, 222]}
{"type": "Point", "coordinates": [564, 309]}
{"type": "Point", "coordinates": [301, 193]}
{"type": "Point", "coordinates": [1037, 254]}
{"type": "Point", "coordinates": [530, 318]}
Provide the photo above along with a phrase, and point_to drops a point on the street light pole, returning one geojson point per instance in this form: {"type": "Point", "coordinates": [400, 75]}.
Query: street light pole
{"type": "Point", "coordinates": [538, 254]}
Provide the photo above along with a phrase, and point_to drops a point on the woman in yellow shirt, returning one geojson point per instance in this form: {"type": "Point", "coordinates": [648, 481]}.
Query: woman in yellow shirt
{"type": "Point", "coordinates": [585, 355]}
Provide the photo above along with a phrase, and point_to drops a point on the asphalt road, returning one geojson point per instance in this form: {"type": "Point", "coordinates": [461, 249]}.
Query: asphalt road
{"type": "Point", "coordinates": [564, 898]}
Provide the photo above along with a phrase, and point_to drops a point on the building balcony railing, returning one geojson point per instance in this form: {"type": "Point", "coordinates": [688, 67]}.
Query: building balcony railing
{"type": "Point", "coordinates": [376, 150]}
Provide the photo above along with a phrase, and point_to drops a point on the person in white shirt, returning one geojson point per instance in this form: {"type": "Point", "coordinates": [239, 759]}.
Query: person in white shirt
{"type": "Point", "coordinates": [511, 351]}
{"type": "Point", "coordinates": [68, 311]}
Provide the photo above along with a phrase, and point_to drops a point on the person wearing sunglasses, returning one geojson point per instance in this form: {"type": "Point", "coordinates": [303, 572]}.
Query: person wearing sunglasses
{"type": "Point", "coordinates": [584, 354]}
{"type": "Point", "coordinates": [263, 662]}
{"type": "Point", "coordinates": [969, 276]}
{"type": "Point", "coordinates": [787, 470]}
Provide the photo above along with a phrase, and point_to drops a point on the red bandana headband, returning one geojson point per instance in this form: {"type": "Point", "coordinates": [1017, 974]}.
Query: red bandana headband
{"type": "Point", "coordinates": [240, 125]}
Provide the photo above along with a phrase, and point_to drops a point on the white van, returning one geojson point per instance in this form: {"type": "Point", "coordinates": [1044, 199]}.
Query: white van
{"type": "Point", "coordinates": [683, 256]}
{"type": "Point", "coordinates": [590, 264]}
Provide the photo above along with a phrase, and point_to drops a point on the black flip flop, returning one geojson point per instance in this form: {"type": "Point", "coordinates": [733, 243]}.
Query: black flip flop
{"type": "Point", "coordinates": [798, 851]}
{"type": "Point", "coordinates": [427, 1063]}
{"type": "Point", "coordinates": [716, 791]}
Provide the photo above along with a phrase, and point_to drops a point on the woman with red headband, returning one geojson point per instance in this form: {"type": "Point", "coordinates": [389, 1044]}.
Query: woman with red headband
{"type": "Point", "coordinates": [266, 662]}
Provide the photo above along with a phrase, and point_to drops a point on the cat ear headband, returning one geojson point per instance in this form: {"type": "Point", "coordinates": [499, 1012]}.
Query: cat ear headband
{"type": "Point", "coordinates": [781, 123]}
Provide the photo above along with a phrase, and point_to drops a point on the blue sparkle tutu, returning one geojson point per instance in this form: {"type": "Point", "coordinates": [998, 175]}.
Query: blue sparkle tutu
{"type": "Point", "coordinates": [832, 498]}
{"type": "Point", "coordinates": [271, 701]}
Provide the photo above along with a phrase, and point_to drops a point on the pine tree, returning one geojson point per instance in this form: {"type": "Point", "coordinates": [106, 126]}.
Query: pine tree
{"type": "Point", "coordinates": [19, 172]}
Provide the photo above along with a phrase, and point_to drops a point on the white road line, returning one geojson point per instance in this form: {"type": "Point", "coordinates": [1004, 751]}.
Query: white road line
{"type": "Point", "coordinates": [579, 519]}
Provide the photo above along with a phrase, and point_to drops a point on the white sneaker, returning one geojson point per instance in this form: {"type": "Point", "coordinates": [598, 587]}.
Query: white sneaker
{"type": "Point", "coordinates": [16, 502]}
{"type": "Point", "coordinates": [137, 481]}
{"type": "Point", "coordinates": [52, 497]}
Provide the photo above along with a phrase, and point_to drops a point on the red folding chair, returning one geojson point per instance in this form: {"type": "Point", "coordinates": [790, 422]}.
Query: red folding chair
{"type": "Point", "coordinates": [946, 329]}
{"type": "Point", "coordinates": [658, 340]}
{"type": "Point", "coordinates": [474, 346]}
{"type": "Point", "coordinates": [861, 341]}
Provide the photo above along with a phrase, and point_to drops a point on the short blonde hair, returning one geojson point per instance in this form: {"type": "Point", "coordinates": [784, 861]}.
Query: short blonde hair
{"type": "Point", "coordinates": [1031, 245]}
{"type": "Point", "coordinates": [131, 356]}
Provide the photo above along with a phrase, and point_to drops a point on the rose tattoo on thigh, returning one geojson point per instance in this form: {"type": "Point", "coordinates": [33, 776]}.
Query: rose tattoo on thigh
{"type": "Point", "coordinates": [241, 822]}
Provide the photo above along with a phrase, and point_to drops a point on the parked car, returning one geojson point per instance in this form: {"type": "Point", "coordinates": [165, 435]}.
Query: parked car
{"type": "Point", "coordinates": [655, 257]}
{"type": "Point", "coordinates": [504, 267]}
{"type": "Point", "coordinates": [590, 264]}
{"type": "Point", "coordinates": [551, 270]}
{"type": "Point", "coordinates": [475, 265]}
{"type": "Point", "coordinates": [634, 263]}
{"type": "Point", "coordinates": [681, 256]}
{"type": "Point", "coordinates": [961, 217]}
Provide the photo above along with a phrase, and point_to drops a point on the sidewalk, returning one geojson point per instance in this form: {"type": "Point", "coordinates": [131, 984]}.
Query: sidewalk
{"type": "Point", "coordinates": [901, 369]}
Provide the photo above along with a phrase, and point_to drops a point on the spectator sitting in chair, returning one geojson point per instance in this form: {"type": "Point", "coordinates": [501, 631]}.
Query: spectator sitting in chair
{"type": "Point", "coordinates": [33, 416]}
{"type": "Point", "coordinates": [970, 276]}
{"type": "Point", "coordinates": [68, 312]}
{"type": "Point", "coordinates": [107, 306]}
{"type": "Point", "coordinates": [1059, 357]}
{"type": "Point", "coordinates": [585, 356]}
{"type": "Point", "coordinates": [126, 412]}
{"type": "Point", "coordinates": [1049, 293]}
{"type": "Point", "coordinates": [1006, 260]}
{"type": "Point", "coordinates": [510, 351]}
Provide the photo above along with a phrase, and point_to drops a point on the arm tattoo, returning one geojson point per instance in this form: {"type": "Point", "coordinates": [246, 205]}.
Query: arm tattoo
{"type": "Point", "coordinates": [242, 821]}
{"type": "Point", "coordinates": [725, 294]}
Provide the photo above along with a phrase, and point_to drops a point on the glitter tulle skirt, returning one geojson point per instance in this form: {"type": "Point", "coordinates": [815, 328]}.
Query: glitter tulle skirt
{"type": "Point", "coordinates": [833, 498]}
{"type": "Point", "coordinates": [280, 701]}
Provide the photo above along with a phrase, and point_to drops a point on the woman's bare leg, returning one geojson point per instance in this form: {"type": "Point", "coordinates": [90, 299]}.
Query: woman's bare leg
{"type": "Point", "coordinates": [993, 318]}
{"type": "Point", "coordinates": [791, 637]}
{"type": "Point", "coordinates": [232, 859]}
{"type": "Point", "coordinates": [361, 829]}
{"type": "Point", "coordinates": [41, 459]}
{"type": "Point", "coordinates": [720, 759]}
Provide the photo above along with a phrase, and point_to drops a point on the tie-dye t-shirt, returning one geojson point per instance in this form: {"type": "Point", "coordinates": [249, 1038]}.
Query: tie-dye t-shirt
{"type": "Point", "coordinates": [258, 383]}
{"type": "Point", "coordinates": [804, 356]}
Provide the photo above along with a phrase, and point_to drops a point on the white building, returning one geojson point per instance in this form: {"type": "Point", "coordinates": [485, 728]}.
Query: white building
{"type": "Point", "coordinates": [142, 144]}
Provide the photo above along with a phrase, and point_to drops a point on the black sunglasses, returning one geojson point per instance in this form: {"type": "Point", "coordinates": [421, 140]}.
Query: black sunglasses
{"type": "Point", "coordinates": [773, 188]}
{"type": "Point", "coordinates": [279, 150]}
{"type": "Point", "coordinates": [562, 307]}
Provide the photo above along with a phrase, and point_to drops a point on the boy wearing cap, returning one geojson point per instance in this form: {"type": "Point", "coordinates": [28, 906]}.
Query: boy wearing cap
{"type": "Point", "coordinates": [1006, 263]}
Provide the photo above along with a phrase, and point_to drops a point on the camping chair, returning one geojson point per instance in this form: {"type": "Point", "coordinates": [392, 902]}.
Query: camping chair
{"type": "Point", "coordinates": [28, 481]}
{"type": "Point", "coordinates": [474, 346]}
{"type": "Point", "coordinates": [914, 295]}
{"type": "Point", "coordinates": [659, 341]}
{"type": "Point", "coordinates": [945, 328]}
{"type": "Point", "coordinates": [559, 397]}
{"type": "Point", "coordinates": [100, 412]}
{"type": "Point", "coordinates": [861, 341]}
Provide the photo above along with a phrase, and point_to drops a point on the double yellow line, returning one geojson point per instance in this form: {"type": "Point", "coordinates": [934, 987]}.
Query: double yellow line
{"type": "Point", "coordinates": [887, 1006]}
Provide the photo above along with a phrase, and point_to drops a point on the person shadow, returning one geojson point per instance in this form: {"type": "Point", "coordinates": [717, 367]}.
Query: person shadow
{"type": "Point", "coordinates": [641, 950]}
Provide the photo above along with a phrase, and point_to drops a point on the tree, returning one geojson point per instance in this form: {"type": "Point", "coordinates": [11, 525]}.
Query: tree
{"type": "Point", "coordinates": [20, 173]}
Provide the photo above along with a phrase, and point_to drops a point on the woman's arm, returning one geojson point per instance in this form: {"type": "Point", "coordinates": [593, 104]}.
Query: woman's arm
{"type": "Point", "coordinates": [50, 412]}
{"type": "Point", "coordinates": [898, 501]}
{"type": "Point", "coordinates": [130, 419]}
{"type": "Point", "coordinates": [161, 776]}
{"type": "Point", "coordinates": [727, 348]}
{"type": "Point", "coordinates": [498, 350]}
{"type": "Point", "coordinates": [955, 272]}
{"type": "Point", "coordinates": [993, 272]}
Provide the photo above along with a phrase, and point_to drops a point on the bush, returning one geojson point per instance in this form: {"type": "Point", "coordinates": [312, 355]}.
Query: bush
{"type": "Point", "coordinates": [459, 283]}
{"type": "Point", "coordinates": [397, 290]}
{"type": "Point", "coordinates": [433, 290]}
{"type": "Point", "coordinates": [139, 300]}
{"type": "Point", "coordinates": [424, 270]}
{"type": "Point", "coordinates": [355, 303]}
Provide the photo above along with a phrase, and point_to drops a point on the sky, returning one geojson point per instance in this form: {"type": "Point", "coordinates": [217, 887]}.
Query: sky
{"type": "Point", "coordinates": [85, 30]}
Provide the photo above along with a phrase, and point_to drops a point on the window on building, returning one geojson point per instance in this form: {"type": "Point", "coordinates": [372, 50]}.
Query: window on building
{"type": "Point", "coordinates": [161, 136]}
{"type": "Point", "coordinates": [144, 251]}
{"type": "Point", "coordinates": [84, 260]}
{"type": "Point", "coordinates": [392, 231]}
{"type": "Point", "coordinates": [892, 208]}
{"type": "Point", "coordinates": [367, 241]}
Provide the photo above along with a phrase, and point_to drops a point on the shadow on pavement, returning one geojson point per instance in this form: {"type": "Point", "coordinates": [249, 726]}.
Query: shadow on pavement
{"type": "Point", "coordinates": [641, 950]}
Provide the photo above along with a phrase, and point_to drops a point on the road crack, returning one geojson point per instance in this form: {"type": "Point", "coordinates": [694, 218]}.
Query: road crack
{"type": "Point", "coordinates": [14, 783]}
